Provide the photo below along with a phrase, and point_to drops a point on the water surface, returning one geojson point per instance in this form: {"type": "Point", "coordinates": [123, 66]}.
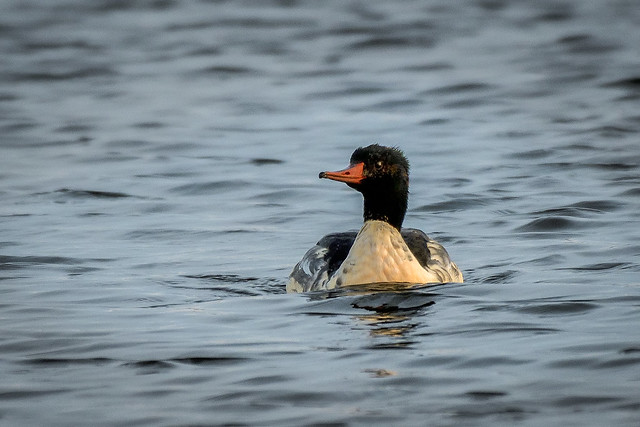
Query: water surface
{"type": "Point", "coordinates": [159, 181]}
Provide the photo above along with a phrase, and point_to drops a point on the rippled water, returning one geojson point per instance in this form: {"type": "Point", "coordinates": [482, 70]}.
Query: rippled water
{"type": "Point", "coordinates": [159, 180]}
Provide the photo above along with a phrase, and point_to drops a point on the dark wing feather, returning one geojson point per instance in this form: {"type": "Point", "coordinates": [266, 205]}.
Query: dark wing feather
{"type": "Point", "coordinates": [320, 262]}
{"type": "Point", "coordinates": [417, 242]}
{"type": "Point", "coordinates": [431, 255]}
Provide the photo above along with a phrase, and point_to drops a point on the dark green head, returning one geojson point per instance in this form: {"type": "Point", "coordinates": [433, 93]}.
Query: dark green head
{"type": "Point", "coordinates": [381, 174]}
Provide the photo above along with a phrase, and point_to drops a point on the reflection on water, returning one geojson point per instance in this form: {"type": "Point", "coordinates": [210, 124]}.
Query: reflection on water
{"type": "Point", "coordinates": [392, 313]}
{"type": "Point", "coordinates": [159, 180]}
{"type": "Point", "coordinates": [387, 325]}
{"type": "Point", "coordinates": [387, 310]}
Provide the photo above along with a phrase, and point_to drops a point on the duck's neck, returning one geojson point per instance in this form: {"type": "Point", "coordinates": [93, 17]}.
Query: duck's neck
{"type": "Point", "coordinates": [386, 205]}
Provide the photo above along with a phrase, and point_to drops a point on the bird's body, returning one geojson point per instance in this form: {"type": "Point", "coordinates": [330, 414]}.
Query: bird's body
{"type": "Point", "coordinates": [381, 252]}
{"type": "Point", "coordinates": [378, 253]}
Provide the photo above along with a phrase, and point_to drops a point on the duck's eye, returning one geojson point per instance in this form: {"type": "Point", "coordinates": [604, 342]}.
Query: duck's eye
{"type": "Point", "coordinates": [379, 164]}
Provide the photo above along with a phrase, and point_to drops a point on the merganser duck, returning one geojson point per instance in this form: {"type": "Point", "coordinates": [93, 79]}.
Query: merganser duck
{"type": "Point", "coordinates": [381, 252]}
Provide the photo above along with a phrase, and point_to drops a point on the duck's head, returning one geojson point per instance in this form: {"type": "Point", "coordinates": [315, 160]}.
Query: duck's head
{"type": "Point", "coordinates": [381, 174]}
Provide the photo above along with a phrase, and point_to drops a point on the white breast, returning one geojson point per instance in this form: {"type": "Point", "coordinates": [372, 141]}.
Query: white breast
{"type": "Point", "coordinates": [380, 254]}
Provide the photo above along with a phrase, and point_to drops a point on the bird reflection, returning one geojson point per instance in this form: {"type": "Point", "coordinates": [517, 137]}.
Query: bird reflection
{"type": "Point", "coordinates": [387, 310]}
{"type": "Point", "coordinates": [387, 324]}
{"type": "Point", "coordinates": [390, 314]}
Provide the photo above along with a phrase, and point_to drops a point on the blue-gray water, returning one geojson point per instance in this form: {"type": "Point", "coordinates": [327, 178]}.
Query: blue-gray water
{"type": "Point", "coordinates": [159, 166]}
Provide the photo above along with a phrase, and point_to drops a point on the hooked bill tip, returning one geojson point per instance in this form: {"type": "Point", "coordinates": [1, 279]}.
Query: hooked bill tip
{"type": "Point", "coordinates": [322, 175]}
